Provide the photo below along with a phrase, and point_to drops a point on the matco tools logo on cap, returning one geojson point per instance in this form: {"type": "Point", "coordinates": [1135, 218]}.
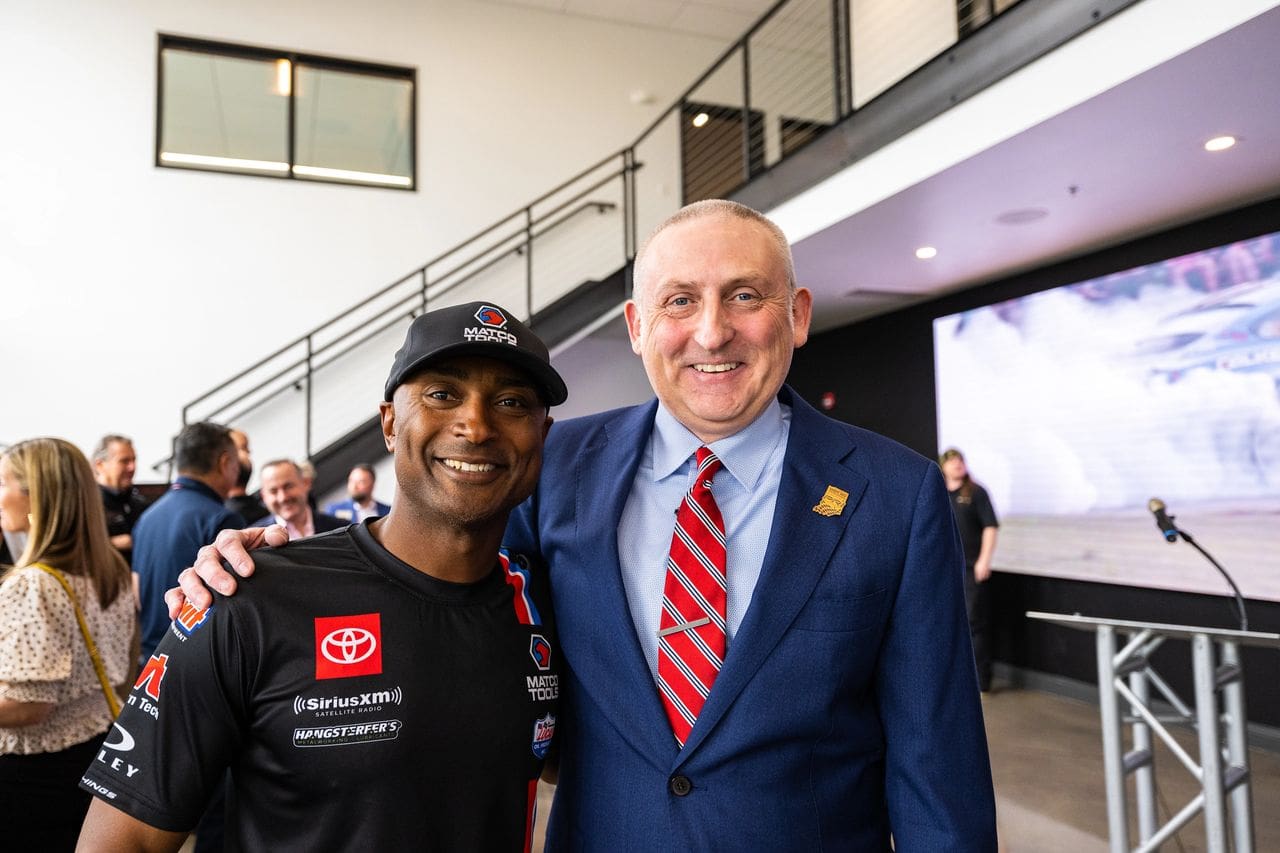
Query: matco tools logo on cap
{"type": "Point", "coordinates": [493, 324]}
{"type": "Point", "coordinates": [491, 317]}
{"type": "Point", "coordinates": [348, 646]}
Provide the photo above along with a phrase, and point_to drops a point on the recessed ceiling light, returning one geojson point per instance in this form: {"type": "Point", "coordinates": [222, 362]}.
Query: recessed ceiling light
{"type": "Point", "coordinates": [1022, 216]}
{"type": "Point", "coordinates": [700, 119]}
{"type": "Point", "coordinates": [1220, 143]}
{"type": "Point", "coordinates": [924, 253]}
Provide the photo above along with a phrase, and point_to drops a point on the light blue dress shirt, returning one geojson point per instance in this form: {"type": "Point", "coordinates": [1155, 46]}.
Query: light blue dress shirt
{"type": "Point", "coordinates": [746, 490]}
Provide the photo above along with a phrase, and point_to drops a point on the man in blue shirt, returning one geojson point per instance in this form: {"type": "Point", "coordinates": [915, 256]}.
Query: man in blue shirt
{"type": "Point", "coordinates": [171, 531]}
{"type": "Point", "coordinates": [360, 503]}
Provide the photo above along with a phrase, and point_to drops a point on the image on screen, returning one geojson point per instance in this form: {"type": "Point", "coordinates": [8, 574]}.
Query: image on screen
{"type": "Point", "coordinates": [1075, 406]}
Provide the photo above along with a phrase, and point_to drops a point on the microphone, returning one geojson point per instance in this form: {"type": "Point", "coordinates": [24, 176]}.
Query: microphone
{"type": "Point", "coordinates": [1171, 533]}
{"type": "Point", "coordinates": [1163, 521]}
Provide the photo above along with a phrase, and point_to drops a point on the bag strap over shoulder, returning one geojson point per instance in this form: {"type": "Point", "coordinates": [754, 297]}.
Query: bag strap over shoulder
{"type": "Point", "coordinates": [113, 702]}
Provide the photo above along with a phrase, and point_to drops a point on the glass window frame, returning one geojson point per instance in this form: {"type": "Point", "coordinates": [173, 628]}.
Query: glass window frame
{"type": "Point", "coordinates": [166, 41]}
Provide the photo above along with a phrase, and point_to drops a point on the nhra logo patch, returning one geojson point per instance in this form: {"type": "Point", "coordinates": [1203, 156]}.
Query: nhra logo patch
{"type": "Point", "coordinates": [543, 731]}
{"type": "Point", "coordinates": [491, 317]}
{"type": "Point", "coordinates": [190, 618]}
{"type": "Point", "coordinates": [347, 646]}
{"type": "Point", "coordinates": [540, 651]}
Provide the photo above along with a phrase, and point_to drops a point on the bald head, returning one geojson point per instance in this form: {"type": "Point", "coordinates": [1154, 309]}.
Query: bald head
{"type": "Point", "coordinates": [712, 207]}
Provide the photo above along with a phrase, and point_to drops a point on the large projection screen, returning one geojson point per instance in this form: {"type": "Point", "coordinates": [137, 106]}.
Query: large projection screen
{"type": "Point", "coordinates": [1075, 406]}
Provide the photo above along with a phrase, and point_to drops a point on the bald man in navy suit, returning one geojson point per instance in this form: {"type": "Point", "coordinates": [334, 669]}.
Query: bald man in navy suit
{"type": "Point", "coordinates": [843, 712]}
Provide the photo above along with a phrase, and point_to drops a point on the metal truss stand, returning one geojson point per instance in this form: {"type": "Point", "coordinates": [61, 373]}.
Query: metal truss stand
{"type": "Point", "coordinates": [1126, 677]}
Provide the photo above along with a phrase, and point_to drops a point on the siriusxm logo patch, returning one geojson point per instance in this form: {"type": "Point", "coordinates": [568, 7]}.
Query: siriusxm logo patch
{"type": "Point", "coordinates": [356, 703]}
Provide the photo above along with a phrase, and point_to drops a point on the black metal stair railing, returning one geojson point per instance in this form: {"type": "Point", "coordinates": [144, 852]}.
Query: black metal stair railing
{"type": "Point", "coordinates": [787, 80]}
{"type": "Point", "coordinates": [294, 365]}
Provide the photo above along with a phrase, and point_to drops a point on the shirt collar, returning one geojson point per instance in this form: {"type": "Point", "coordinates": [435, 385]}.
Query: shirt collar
{"type": "Point", "coordinates": [306, 528]}
{"type": "Point", "coordinates": [744, 454]}
{"type": "Point", "coordinates": [194, 485]}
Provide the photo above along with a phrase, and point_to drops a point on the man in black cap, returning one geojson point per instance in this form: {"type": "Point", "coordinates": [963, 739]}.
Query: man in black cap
{"type": "Point", "coordinates": [384, 686]}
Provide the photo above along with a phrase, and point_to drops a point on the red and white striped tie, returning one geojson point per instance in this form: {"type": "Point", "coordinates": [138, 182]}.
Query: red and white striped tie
{"type": "Point", "coordinates": [691, 633]}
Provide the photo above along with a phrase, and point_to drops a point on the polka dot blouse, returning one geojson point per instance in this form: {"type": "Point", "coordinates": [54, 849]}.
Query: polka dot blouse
{"type": "Point", "coordinates": [43, 658]}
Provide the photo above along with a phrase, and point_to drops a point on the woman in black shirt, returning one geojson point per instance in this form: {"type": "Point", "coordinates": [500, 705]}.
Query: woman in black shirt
{"type": "Point", "coordinates": [977, 522]}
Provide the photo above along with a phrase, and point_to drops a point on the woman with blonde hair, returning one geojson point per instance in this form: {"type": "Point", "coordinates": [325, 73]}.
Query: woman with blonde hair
{"type": "Point", "coordinates": [68, 592]}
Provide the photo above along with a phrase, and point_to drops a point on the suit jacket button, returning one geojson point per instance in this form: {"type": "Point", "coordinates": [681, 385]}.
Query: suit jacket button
{"type": "Point", "coordinates": [680, 785]}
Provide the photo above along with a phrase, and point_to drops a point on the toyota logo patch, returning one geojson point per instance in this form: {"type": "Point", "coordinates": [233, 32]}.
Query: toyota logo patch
{"type": "Point", "coordinates": [348, 646]}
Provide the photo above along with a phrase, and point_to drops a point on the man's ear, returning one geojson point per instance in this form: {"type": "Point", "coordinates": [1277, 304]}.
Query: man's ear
{"type": "Point", "coordinates": [387, 411]}
{"type": "Point", "coordinates": [632, 312]}
{"type": "Point", "coordinates": [801, 314]}
{"type": "Point", "coordinates": [546, 427]}
{"type": "Point", "coordinates": [229, 465]}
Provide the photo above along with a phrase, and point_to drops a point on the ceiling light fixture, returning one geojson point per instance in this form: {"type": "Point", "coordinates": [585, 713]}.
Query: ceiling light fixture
{"type": "Point", "coordinates": [1220, 143]}
{"type": "Point", "coordinates": [924, 253]}
{"type": "Point", "coordinates": [236, 163]}
{"type": "Point", "coordinates": [700, 119]}
{"type": "Point", "coordinates": [351, 175]}
{"type": "Point", "coordinates": [1022, 216]}
{"type": "Point", "coordinates": [284, 77]}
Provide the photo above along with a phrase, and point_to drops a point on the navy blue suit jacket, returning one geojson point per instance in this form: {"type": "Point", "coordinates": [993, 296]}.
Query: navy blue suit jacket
{"type": "Point", "coordinates": [847, 708]}
{"type": "Point", "coordinates": [346, 510]}
{"type": "Point", "coordinates": [323, 523]}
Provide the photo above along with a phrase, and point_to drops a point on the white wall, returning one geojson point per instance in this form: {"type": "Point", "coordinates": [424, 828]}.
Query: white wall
{"type": "Point", "coordinates": [891, 38]}
{"type": "Point", "coordinates": [126, 290]}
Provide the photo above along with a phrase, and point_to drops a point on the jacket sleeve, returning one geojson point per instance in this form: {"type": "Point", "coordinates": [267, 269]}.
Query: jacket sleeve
{"type": "Point", "coordinates": [937, 771]}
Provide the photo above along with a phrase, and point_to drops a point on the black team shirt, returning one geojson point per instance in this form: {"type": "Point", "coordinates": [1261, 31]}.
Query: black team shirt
{"type": "Point", "coordinates": [360, 704]}
{"type": "Point", "coordinates": [974, 513]}
{"type": "Point", "coordinates": [122, 509]}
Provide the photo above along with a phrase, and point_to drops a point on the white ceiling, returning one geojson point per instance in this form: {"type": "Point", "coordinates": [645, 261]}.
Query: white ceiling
{"type": "Point", "coordinates": [1122, 164]}
{"type": "Point", "coordinates": [721, 19]}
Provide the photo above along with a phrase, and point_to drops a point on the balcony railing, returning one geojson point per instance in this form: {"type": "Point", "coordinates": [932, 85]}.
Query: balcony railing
{"type": "Point", "coordinates": [802, 68]}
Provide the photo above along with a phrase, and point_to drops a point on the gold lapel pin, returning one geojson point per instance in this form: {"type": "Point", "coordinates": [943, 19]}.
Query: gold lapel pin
{"type": "Point", "coordinates": [832, 502]}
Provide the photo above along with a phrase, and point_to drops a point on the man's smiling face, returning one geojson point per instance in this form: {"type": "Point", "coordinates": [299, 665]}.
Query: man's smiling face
{"type": "Point", "coordinates": [467, 436]}
{"type": "Point", "coordinates": [715, 321]}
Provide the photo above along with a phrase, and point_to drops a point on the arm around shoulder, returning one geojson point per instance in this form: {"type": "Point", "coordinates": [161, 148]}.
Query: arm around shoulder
{"type": "Point", "coordinates": [937, 770]}
{"type": "Point", "coordinates": [230, 545]}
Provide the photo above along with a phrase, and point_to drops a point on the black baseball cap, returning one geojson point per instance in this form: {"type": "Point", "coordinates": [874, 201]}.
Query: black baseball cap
{"type": "Point", "coordinates": [476, 328]}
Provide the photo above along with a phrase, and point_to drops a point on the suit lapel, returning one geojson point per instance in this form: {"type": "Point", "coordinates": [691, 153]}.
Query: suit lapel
{"type": "Point", "coordinates": [800, 546]}
{"type": "Point", "coordinates": [609, 659]}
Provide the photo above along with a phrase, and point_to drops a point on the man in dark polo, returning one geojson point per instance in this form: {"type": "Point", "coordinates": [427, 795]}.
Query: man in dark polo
{"type": "Point", "coordinates": [114, 464]}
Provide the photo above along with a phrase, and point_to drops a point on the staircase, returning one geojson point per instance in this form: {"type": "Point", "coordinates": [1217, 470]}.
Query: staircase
{"type": "Point", "coordinates": [556, 324]}
{"type": "Point", "coordinates": [562, 261]}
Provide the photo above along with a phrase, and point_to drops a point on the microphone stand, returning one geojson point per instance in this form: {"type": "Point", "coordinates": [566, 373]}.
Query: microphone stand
{"type": "Point", "coordinates": [1186, 537]}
